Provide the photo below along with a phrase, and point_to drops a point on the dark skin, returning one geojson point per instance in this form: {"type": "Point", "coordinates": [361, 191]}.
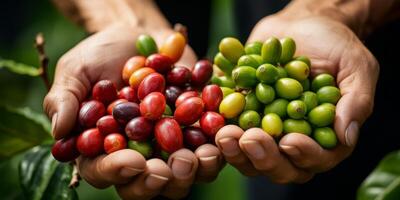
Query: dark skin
{"type": "Point", "coordinates": [253, 152]}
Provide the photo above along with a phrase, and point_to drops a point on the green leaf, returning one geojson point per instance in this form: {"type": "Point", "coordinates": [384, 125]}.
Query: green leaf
{"type": "Point", "coordinates": [42, 177]}
{"type": "Point", "coordinates": [384, 182]}
{"type": "Point", "coordinates": [19, 68]}
{"type": "Point", "coordinates": [21, 129]}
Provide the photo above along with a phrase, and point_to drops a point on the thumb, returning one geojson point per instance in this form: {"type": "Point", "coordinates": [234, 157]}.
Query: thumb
{"type": "Point", "coordinates": [61, 104]}
{"type": "Point", "coordinates": [358, 91]}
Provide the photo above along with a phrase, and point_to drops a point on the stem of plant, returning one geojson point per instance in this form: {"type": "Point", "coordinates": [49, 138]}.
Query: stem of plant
{"type": "Point", "coordinates": [75, 177]}
{"type": "Point", "coordinates": [43, 59]}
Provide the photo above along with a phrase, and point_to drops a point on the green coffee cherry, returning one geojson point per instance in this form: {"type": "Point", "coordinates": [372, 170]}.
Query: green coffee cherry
{"type": "Point", "coordinates": [296, 109]}
{"type": "Point", "coordinates": [265, 93]}
{"type": "Point", "coordinates": [288, 49]}
{"type": "Point", "coordinates": [253, 48]}
{"type": "Point", "coordinates": [252, 102]}
{"type": "Point", "coordinates": [321, 81]}
{"type": "Point", "coordinates": [226, 91]}
{"type": "Point", "coordinates": [278, 106]}
{"type": "Point", "coordinates": [249, 119]}
{"type": "Point", "coordinates": [267, 73]}
{"type": "Point", "coordinates": [247, 60]}
{"type": "Point", "coordinates": [231, 49]}
{"type": "Point", "coordinates": [226, 81]}
{"type": "Point", "coordinates": [326, 137]}
{"type": "Point", "coordinates": [328, 94]}
{"type": "Point", "coordinates": [143, 148]}
{"type": "Point", "coordinates": [310, 99]}
{"type": "Point", "coordinates": [282, 72]}
{"type": "Point", "coordinates": [223, 64]}
{"type": "Point", "coordinates": [232, 105]}
{"type": "Point", "coordinates": [297, 70]}
{"type": "Point", "coordinates": [146, 45]}
{"type": "Point", "coordinates": [164, 155]}
{"type": "Point", "coordinates": [272, 124]}
{"type": "Point", "coordinates": [244, 77]}
{"type": "Point", "coordinates": [271, 50]}
{"type": "Point", "coordinates": [304, 59]}
{"type": "Point", "coordinates": [297, 126]}
{"type": "Point", "coordinates": [258, 58]}
{"type": "Point", "coordinates": [306, 84]}
{"type": "Point", "coordinates": [288, 88]}
{"type": "Point", "coordinates": [167, 111]}
{"type": "Point", "coordinates": [322, 115]}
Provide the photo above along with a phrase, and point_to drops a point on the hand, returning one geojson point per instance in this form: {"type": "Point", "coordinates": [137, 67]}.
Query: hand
{"type": "Point", "coordinates": [102, 56]}
{"type": "Point", "coordinates": [335, 49]}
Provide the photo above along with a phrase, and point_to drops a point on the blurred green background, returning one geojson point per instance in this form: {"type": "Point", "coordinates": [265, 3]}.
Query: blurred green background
{"type": "Point", "coordinates": [20, 22]}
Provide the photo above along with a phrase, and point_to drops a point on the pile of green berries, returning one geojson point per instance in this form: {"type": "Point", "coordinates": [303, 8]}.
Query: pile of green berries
{"type": "Point", "coordinates": [265, 86]}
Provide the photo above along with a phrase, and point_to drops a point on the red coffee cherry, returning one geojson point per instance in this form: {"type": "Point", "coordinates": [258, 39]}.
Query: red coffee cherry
{"type": "Point", "coordinates": [90, 112]}
{"type": "Point", "coordinates": [114, 142]}
{"type": "Point", "coordinates": [64, 150]}
{"type": "Point", "coordinates": [105, 91]}
{"type": "Point", "coordinates": [90, 143]}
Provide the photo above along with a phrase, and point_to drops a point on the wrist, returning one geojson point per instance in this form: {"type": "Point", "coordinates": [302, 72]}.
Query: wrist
{"type": "Point", "coordinates": [353, 14]}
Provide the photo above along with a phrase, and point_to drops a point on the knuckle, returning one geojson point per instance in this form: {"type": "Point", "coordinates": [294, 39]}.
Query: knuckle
{"type": "Point", "coordinates": [266, 166]}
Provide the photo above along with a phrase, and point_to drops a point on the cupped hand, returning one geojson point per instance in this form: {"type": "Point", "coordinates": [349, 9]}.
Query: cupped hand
{"type": "Point", "coordinates": [334, 49]}
{"type": "Point", "coordinates": [102, 56]}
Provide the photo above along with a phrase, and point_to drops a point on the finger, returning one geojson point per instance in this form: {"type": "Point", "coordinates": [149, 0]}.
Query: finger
{"type": "Point", "coordinates": [116, 168]}
{"type": "Point", "coordinates": [183, 164]}
{"type": "Point", "coordinates": [61, 104]}
{"type": "Point", "coordinates": [149, 183]}
{"type": "Point", "coordinates": [357, 81]}
{"type": "Point", "coordinates": [307, 154]}
{"type": "Point", "coordinates": [263, 152]}
{"type": "Point", "coordinates": [210, 163]}
{"type": "Point", "coordinates": [227, 141]}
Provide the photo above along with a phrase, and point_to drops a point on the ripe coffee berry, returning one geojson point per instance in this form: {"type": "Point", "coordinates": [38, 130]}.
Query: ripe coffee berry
{"type": "Point", "coordinates": [153, 106]}
{"type": "Point", "coordinates": [105, 91]}
{"type": "Point", "coordinates": [168, 135]}
{"type": "Point", "coordinates": [111, 106]}
{"type": "Point", "coordinates": [114, 142]}
{"type": "Point", "coordinates": [193, 137]}
{"type": "Point", "coordinates": [161, 63]}
{"type": "Point", "coordinates": [90, 112]}
{"type": "Point", "coordinates": [211, 122]}
{"type": "Point", "coordinates": [128, 93]}
{"type": "Point", "coordinates": [107, 125]}
{"type": "Point", "coordinates": [139, 129]}
{"type": "Point", "coordinates": [212, 97]}
{"type": "Point", "coordinates": [90, 143]}
{"type": "Point", "coordinates": [171, 94]}
{"type": "Point", "coordinates": [154, 82]}
{"type": "Point", "coordinates": [189, 111]}
{"type": "Point", "coordinates": [185, 96]}
{"type": "Point", "coordinates": [179, 76]}
{"type": "Point", "coordinates": [124, 112]}
{"type": "Point", "coordinates": [132, 65]}
{"type": "Point", "coordinates": [201, 73]}
{"type": "Point", "coordinates": [64, 150]}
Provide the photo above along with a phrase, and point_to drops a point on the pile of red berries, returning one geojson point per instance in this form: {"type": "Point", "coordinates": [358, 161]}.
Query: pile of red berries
{"type": "Point", "coordinates": [158, 112]}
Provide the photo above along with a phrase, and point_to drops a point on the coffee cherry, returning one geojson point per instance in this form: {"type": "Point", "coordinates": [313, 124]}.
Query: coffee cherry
{"type": "Point", "coordinates": [110, 107]}
{"type": "Point", "coordinates": [107, 125]}
{"type": "Point", "coordinates": [179, 76]}
{"type": "Point", "coordinates": [174, 46]}
{"type": "Point", "coordinates": [154, 82]}
{"type": "Point", "coordinates": [193, 137]}
{"type": "Point", "coordinates": [114, 142]}
{"type": "Point", "coordinates": [138, 76]}
{"type": "Point", "coordinates": [189, 111]}
{"type": "Point", "coordinates": [90, 112]}
{"type": "Point", "coordinates": [90, 143]}
{"type": "Point", "coordinates": [171, 94]}
{"type": "Point", "coordinates": [145, 45]}
{"type": "Point", "coordinates": [212, 97]}
{"type": "Point", "coordinates": [160, 63]}
{"type": "Point", "coordinates": [185, 96]}
{"type": "Point", "coordinates": [105, 91]}
{"type": "Point", "coordinates": [201, 73]}
{"type": "Point", "coordinates": [153, 106]}
{"type": "Point", "coordinates": [64, 150]}
{"type": "Point", "coordinates": [124, 112]}
{"type": "Point", "coordinates": [139, 129]}
{"type": "Point", "coordinates": [128, 93]}
{"type": "Point", "coordinates": [143, 148]}
{"type": "Point", "coordinates": [132, 65]}
{"type": "Point", "coordinates": [211, 122]}
{"type": "Point", "coordinates": [168, 135]}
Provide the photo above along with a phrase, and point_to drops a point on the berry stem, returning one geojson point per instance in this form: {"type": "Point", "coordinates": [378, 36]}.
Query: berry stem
{"type": "Point", "coordinates": [43, 59]}
{"type": "Point", "coordinates": [75, 177]}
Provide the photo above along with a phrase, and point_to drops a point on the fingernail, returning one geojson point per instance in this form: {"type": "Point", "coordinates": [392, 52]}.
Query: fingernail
{"type": "Point", "coordinates": [351, 134]}
{"type": "Point", "coordinates": [208, 162]}
{"type": "Point", "coordinates": [230, 146]}
{"type": "Point", "coordinates": [53, 123]}
{"type": "Point", "coordinates": [290, 150]}
{"type": "Point", "coordinates": [155, 182]}
{"type": "Point", "coordinates": [254, 149]}
{"type": "Point", "coordinates": [181, 167]}
{"type": "Point", "coordinates": [130, 171]}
